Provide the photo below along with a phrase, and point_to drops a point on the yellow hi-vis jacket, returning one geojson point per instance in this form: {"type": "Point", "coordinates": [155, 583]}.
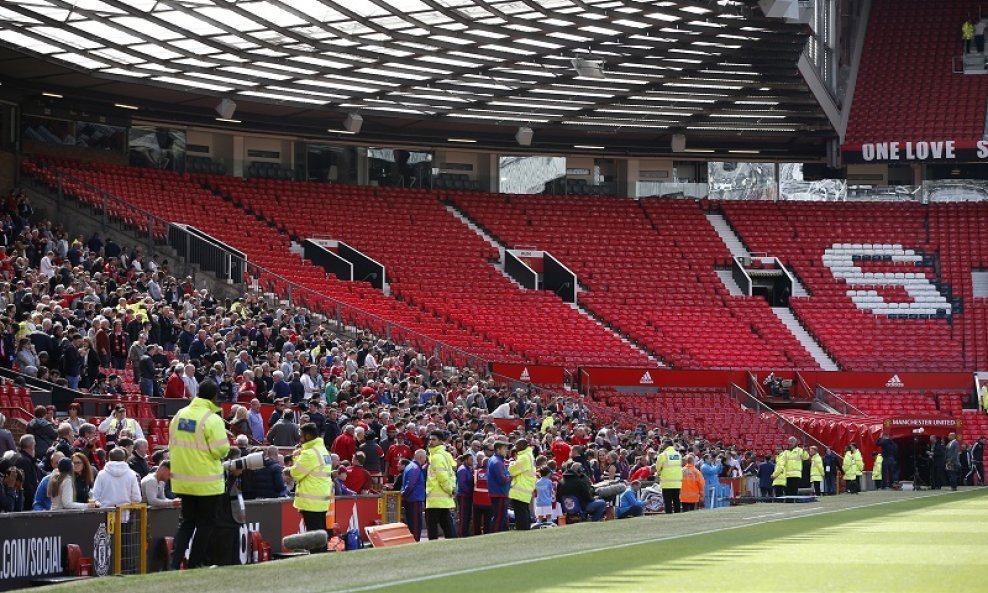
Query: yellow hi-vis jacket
{"type": "Point", "coordinates": [816, 468]}
{"type": "Point", "coordinates": [779, 474]}
{"type": "Point", "coordinates": [312, 473]}
{"type": "Point", "coordinates": [440, 482]}
{"type": "Point", "coordinates": [876, 470]}
{"type": "Point", "coordinates": [669, 468]}
{"type": "Point", "coordinates": [522, 471]}
{"type": "Point", "coordinates": [198, 443]}
{"type": "Point", "coordinates": [794, 461]}
{"type": "Point", "coordinates": [851, 468]}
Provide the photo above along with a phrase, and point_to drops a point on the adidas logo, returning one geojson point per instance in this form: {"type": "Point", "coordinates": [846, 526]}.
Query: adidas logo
{"type": "Point", "coordinates": [524, 374]}
{"type": "Point", "coordinates": [895, 381]}
{"type": "Point", "coordinates": [646, 379]}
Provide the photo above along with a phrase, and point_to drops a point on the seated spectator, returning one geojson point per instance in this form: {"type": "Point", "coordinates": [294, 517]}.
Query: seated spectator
{"type": "Point", "coordinates": [62, 486]}
{"type": "Point", "coordinates": [42, 502]}
{"type": "Point", "coordinates": [117, 484]}
{"type": "Point", "coordinates": [154, 489]}
{"type": "Point", "coordinates": [12, 490]}
{"type": "Point", "coordinates": [576, 484]}
{"type": "Point", "coordinates": [358, 479]}
{"type": "Point", "coordinates": [629, 505]}
{"type": "Point", "coordinates": [285, 432]}
{"type": "Point", "coordinates": [267, 482]}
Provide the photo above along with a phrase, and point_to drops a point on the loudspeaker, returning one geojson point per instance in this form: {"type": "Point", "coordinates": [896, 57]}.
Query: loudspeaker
{"type": "Point", "coordinates": [226, 108]}
{"type": "Point", "coordinates": [678, 142]}
{"type": "Point", "coordinates": [588, 68]}
{"type": "Point", "coordinates": [353, 123]}
{"type": "Point", "coordinates": [524, 136]}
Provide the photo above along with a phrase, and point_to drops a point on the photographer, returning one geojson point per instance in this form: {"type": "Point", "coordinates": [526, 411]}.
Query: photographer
{"type": "Point", "coordinates": [230, 514]}
{"type": "Point", "coordinates": [312, 475]}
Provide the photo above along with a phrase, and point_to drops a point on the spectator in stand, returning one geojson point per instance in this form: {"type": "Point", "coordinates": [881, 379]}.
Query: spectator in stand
{"type": "Point", "coordinates": [71, 484]}
{"type": "Point", "coordinates": [175, 385]}
{"type": "Point", "coordinates": [268, 482]}
{"type": "Point", "coordinates": [137, 350]}
{"type": "Point", "coordinates": [345, 445]}
{"type": "Point", "coordinates": [154, 488]}
{"type": "Point", "coordinates": [979, 36]}
{"type": "Point", "coordinates": [629, 504]}
{"type": "Point", "coordinates": [576, 484]}
{"type": "Point", "coordinates": [285, 433]}
{"type": "Point", "coordinates": [43, 430]}
{"type": "Point", "coordinates": [256, 421]}
{"type": "Point", "coordinates": [358, 479]}
{"type": "Point", "coordinates": [12, 490]}
{"type": "Point", "coordinates": [967, 34]}
{"type": "Point", "coordinates": [42, 502]}
{"type": "Point", "coordinates": [119, 346]}
{"type": "Point", "coordinates": [138, 459]}
{"type": "Point", "coordinates": [6, 437]}
{"type": "Point", "coordinates": [117, 484]}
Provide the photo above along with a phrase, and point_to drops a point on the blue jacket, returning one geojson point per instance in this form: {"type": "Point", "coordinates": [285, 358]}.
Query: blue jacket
{"type": "Point", "coordinates": [498, 478]}
{"type": "Point", "coordinates": [627, 501]}
{"type": "Point", "coordinates": [711, 473]}
{"type": "Point", "coordinates": [41, 500]}
{"type": "Point", "coordinates": [464, 481]}
{"type": "Point", "coordinates": [413, 483]}
{"type": "Point", "coordinates": [765, 471]}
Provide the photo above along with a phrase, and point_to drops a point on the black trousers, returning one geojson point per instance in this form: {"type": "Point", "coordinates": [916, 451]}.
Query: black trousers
{"type": "Point", "coordinates": [792, 486]}
{"type": "Point", "coordinates": [225, 547]}
{"type": "Point", "coordinates": [464, 514]}
{"type": "Point", "coordinates": [481, 520]}
{"type": "Point", "coordinates": [198, 516]}
{"type": "Point", "coordinates": [523, 514]}
{"type": "Point", "coordinates": [689, 506]}
{"type": "Point", "coordinates": [670, 496]}
{"type": "Point", "coordinates": [817, 488]}
{"type": "Point", "coordinates": [439, 518]}
{"type": "Point", "coordinates": [778, 491]}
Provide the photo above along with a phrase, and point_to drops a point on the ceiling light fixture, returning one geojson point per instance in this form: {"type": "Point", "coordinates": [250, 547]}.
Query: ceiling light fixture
{"type": "Point", "coordinates": [126, 106]}
{"type": "Point", "coordinates": [228, 120]}
{"type": "Point", "coordinates": [588, 68]}
{"type": "Point", "coordinates": [461, 140]}
{"type": "Point", "coordinates": [332, 131]}
{"type": "Point", "coordinates": [52, 95]}
{"type": "Point", "coordinates": [589, 147]}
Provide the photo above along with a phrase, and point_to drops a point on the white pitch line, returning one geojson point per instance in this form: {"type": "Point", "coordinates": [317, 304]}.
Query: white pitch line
{"type": "Point", "coordinates": [513, 563]}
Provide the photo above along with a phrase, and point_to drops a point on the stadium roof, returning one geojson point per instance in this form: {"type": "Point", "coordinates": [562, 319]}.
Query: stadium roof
{"type": "Point", "coordinates": [706, 68]}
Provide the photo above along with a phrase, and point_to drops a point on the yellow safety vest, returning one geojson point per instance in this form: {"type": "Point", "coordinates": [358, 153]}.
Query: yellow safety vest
{"type": "Point", "coordinates": [548, 423]}
{"type": "Point", "coordinates": [669, 468]}
{"type": "Point", "coordinates": [779, 474]}
{"type": "Point", "coordinates": [440, 480]}
{"type": "Point", "coordinates": [816, 468]}
{"type": "Point", "coordinates": [876, 471]}
{"type": "Point", "coordinates": [198, 443]}
{"type": "Point", "coordinates": [128, 424]}
{"type": "Point", "coordinates": [794, 462]}
{"type": "Point", "coordinates": [522, 471]}
{"type": "Point", "coordinates": [851, 470]}
{"type": "Point", "coordinates": [312, 473]}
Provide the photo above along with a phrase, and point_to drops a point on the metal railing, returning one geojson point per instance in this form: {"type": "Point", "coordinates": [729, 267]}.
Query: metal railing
{"type": "Point", "coordinates": [772, 417]}
{"type": "Point", "coordinates": [346, 318]}
{"type": "Point", "coordinates": [838, 403]}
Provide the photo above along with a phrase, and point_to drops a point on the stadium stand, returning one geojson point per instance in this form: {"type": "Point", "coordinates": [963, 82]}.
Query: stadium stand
{"type": "Point", "coordinates": [675, 304]}
{"type": "Point", "coordinates": [909, 92]}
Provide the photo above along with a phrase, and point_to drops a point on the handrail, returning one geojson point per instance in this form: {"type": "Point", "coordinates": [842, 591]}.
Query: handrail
{"type": "Point", "coordinates": [480, 364]}
{"type": "Point", "coordinates": [837, 402]}
{"type": "Point", "coordinates": [804, 384]}
{"type": "Point", "coordinates": [747, 400]}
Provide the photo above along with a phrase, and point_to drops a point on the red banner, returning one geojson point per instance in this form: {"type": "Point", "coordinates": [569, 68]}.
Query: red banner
{"type": "Point", "coordinates": [366, 509]}
{"type": "Point", "coordinates": [889, 380]}
{"type": "Point", "coordinates": [542, 375]}
{"type": "Point", "coordinates": [901, 426]}
{"type": "Point", "coordinates": [657, 377]}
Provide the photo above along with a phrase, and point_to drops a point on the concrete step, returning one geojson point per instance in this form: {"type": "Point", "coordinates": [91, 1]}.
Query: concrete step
{"type": "Point", "coordinates": [727, 234]}
{"type": "Point", "coordinates": [821, 357]}
{"type": "Point", "coordinates": [728, 279]}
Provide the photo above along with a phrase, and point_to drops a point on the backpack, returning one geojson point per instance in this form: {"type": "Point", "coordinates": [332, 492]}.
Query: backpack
{"type": "Point", "coordinates": [652, 497]}
{"type": "Point", "coordinates": [352, 540]}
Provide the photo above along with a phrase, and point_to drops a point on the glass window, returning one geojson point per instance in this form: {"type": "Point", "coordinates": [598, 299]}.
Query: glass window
{"type": "Point", "coordinates": [530, 174]}
{"type": "Point", "coordinates": [395, 167]}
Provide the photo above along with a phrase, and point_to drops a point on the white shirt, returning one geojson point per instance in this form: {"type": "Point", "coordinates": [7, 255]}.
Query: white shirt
{"type": "Point", "coordinates": [153, 492]}
{"type": "Point", "coordinates": [191, 387]}
{"type": "Point", "coordinates": [47, 268]}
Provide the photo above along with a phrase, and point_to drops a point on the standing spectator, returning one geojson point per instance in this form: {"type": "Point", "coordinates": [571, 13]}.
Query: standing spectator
{"type": "Point", "coordinates": [268, 481]}
{"type": "Point", "coordinates": [175, 385]}
{"type": "Point", "coordinates": [119, 346]}
{"type": "Point", "coordinates": [464, 494]}
{"type": "Point", "coordinates": [978, 455]}
{"type": "Point", "coordinates": [285, 433]}
{"type": "Point", "coordinates": [830, 464]}
{"type": "Point", "coordinates": [191, 384]}
{"type": "Point", "coordinates": [765, 472]}
{"type": "Point", "coordinates": [256, 421]}
{"type": "Point", "coordinates": [345, 445]}
{"type": "Point", "coordinates": [6, 437]}
{"type": "Point", "coordinates": [197, 473]}
{"type": "Point", "coordinates": [890, 467]}
{"type": "Point", "coordinates": [72, 361]}
{"type": "Point", "coordinates": [439, 487]}
{"type": "Point", "coordinates": [413, 493]}
{"type": "Point", "coordinates": [29, 467]}
{"type": "Point", "coordinates": [134, 354]}
{"type": "Point", "coordinates": [44, 432]}
{"type": "Point", "coordinates": [953, 459]}
{"type": "Point", "coordinates": [979, 36]}
{"type": "Point", "coordinates": [117, 484]}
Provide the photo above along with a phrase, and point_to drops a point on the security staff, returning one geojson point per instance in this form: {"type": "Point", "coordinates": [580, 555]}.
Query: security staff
{"type": "Point", "coordinates": [522, 471]}
{"type": "Point", "coordinates": [851, 470]}
{"type": "Point", "coordinates": [197, 442]}
{"type": "Point", "coordinates": [779, 473]}
{"type": "Point", "coordinates": [312, 472]}
{"type": "Point", "coordinates": [669, 469]}
{"type": "Point", "coordinates": [794, 456]}
{"type": "Point", "coordinates": [440, 485]}
{"type": "Point", "coordinates": [816, 471]}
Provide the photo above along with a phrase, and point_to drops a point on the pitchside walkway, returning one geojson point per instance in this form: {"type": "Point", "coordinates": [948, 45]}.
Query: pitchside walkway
{"type": "Point", "coordinates": [934, 540]}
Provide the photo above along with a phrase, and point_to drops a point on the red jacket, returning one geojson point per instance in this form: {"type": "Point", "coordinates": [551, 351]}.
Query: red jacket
{"type": "Point", "coordinates": [345, 446]}
{"type": "Point", "coordinates": [175, 387]}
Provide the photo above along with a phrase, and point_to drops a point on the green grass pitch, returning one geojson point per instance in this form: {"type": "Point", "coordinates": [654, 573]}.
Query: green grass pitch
{"type": "Point", "coordinates": [889, 542]}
